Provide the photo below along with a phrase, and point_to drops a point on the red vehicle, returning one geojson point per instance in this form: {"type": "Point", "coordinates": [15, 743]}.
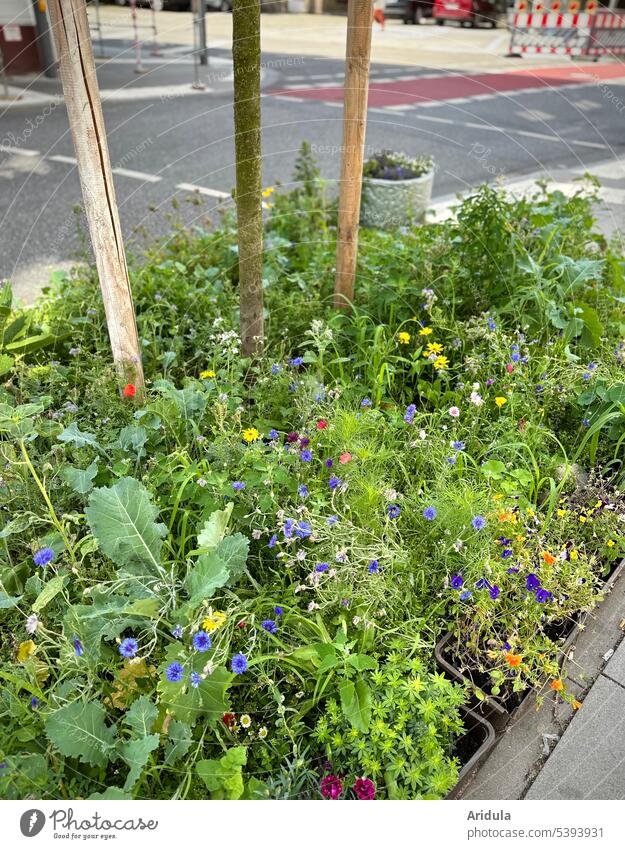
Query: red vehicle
{"type": "Point", "coordinates": [469, 12]}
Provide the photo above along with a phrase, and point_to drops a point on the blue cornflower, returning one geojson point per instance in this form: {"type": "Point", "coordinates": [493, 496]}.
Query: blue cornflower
{"type": "Point", "coordinates": [456, 581]}
{"type": "Point", "coordinates": [491, 324]}
{"type": "Point", "coordinates": [296, 362]}
{"type": "Point", "coordinates": [275, 368]}
{"type": "Point", "coordinates": [128, 647]}
{"type": "Point", "coordinates": [410, 413]}
{"type": "Point", "coordinates": [393, 510]}
{"type": "Point", "coordinates": [515, 357]}
{"type": "Point", "coordinates": [591, 366]}
{"type": "Point", "coordinates": [586, 375]}
{"type": "Point", "coordinates": [177, 632]}
{"type": "Point", "coordinates": [289, 524]}
{"type": "Point", "coordinates": [78, 649]}
{"type": "Point", "coordinates": [329, 463]}
{"type": "Point", "coordinates": [238, 486]}
{"type": "Point", "coordinates": [196, 679]}
{"type": "Point", "coordinates": [43, 556]}
{"type": "Point", "coordinates": [273, 433]}
{"type": "Point", "coordinates": [332, 520]}
{"type": "Point", "coordinates": [494, 592]}
{"type": "Point", "coordinates": [366, 402]}
{"type": "Point", "coordinates": [34, 703]}
{"type": "Point", "coordinates": [466, 594]}
{"type": "Point", "coordinates": [270, 626]}
{"type": "Point", "coordinates": [532, 582]}
{"type": "Point", "coordinates": [174, 672]}
{"type": "Point", "coordinates": [429, 513]}
{"type": "Point", "coordinates": [334, 482]}
{"type": "Point", "coordinates": [506, 646]}
{"type": "Point", "coordinates": [306, 455]}
{"type": "Point", "coordinates": [303, 530]}
{"type": "Point", "coordinates": [543, 595]}
{"type": "Point", "coordinates": [201, 641]}
{"type": "Point", "coordinates": [272, 541]}
{"type": "Point", "coordinates": [292, 387]}
{"type": "Point", "coordinates": [374, 566]}
{"type": "Point", "coordinates": [321, 567]}
{"type": "Point", "coordinates": [586, 422]}
{"type": "Point", "coordinates": [452, 460]}
{"type": "Point", "coordinates": [278, 610]}
{"type": "Point", "coordinates": [457, 445]}
{"type": "Point", "coordinates": [238, 664]}
{"type": "Point", "coordinates": [478, 522]}
{"type": "Point", "coordinates": [302, 491]}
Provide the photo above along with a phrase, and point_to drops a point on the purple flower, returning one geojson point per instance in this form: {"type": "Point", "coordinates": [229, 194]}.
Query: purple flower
{"type": "Point", "coordinates": [466, 595]}
{"type": "Point", "coordinates": [543, 596]}
{"type": "Point", "coordinates": [196, 680]}
{"type": "Point", "coordinates": [275, 368]}
{"type": "Point", "coordinates": [329, 463]}
{"type": "Point", "coordinates": [128, 647]}
{"type": "Point", "coordinates": [302, 490]}
{"type": "Point", "coordinates": [278, 610]}
{"type": "Point", "coordinates": [177, 632]}
{"type": "Point", "coordinates": [494, 592]}
{"type": "Point", "coordinates": [429, 513]}
{"type": "Point", "coordinates": [78, 649]}
{"type": "Point", "coordinates": [270, 626]}
{"type": "Point", "coordinates": [332, 520]}
{"type": "Point", "coordinates": [296, 362]}
{"type": "Point", "coordinates": [479, 523]}
{"type": "Point", "coordinates": [393, 510]}
{"type": "Point", "coordinates": [238, 664]}
{"type": "Point", "coordinates": [321, 567]}
{"type": "Point", "coordinates": [532, 582]}
{"type": "Point", "coordinates": [201, 641]}
{"type": "Point", "coordinates": [306, 455]}
{"type": "Point", "coordinates": [331, 787]}
{"type": "Point", "coordinates": [43, 556]}
{"type": "Point", "coordinates": [512, 570]}
{"type": "Point", "coordinates": [457, 445]}
{"type": "Point", "coordinates": [273, 433]}
{"type": "Point", "coordinates": [34, 703]}
{"type": "Point", "coordinates": [238, 486]}
{"type": "Point", "coordinates": [456, 581]}
{"type": "Point", "coordinates": [482, 584]}
{"type": "Point", "coordinates": [334, 482]}
{"type": "Point", "coordinates": [289, 524]}
{"type": "Point", "coordinates": [410, 413]}
{"type": "Point", "coordinates": [272, 540]}
{"type": "Point", "coordinates": [366, 402]}
{"type": "Point", "coordinates": [293, 436]}
{"type": "Point", "coordinates": [303, 530]}
{"type": "Point", "coordinates": [374, 566]}
{"type": "Point", "coordinates": [174, 672]}
{"type": "Point", "coordinates": [304, 442]}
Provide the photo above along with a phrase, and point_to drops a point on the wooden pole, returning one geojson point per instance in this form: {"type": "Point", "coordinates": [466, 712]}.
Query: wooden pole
{"type": "Point", "coordinates": [70, 28]}
{"type": "Point", "coordinates": [357, 53]}
{"type": "Point", "coordinates": [246, 67]}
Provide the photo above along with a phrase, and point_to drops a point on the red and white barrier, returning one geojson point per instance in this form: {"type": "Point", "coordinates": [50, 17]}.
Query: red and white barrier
{"type": "Point", "coordinates": [578, 34]}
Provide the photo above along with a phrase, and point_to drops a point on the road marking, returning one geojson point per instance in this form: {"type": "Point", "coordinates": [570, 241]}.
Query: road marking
{"type": "Point", "coordinates": [285, 97]}
{"type": "Point", "coordinates": [67, 160]}
{"type": "Point", "coordinates": [137, 175]}
{"type": "Point", "coordinates": [213, 193]}
{"type": "Point", "coordinates": [18, 151]}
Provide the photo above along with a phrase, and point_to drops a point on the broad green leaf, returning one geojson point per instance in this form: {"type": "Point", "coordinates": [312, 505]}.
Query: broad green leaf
{"type": "Point", "coordinates": [105, 619]}
{"type": "Point", "coordinates": [122, 519]}
{"type": "Point", "coordinates": [141, 716]}
{"type": "Point", "coordinates": [186, 703]}
{"type": "Point", "coordinates": [6, 364]}
{"type": "Point", "coordinates": [215, 528]}
{"type": "Point", "coordinates": [616, 393]}
{"type": "Point", "coordinates": [78, 437]}
{"type": "Point", "coordinates": [356, 704]}
{"type": "Point", "coordinates": [190, 402]}
{"type": "Point", "coordinates": [233, 551]}
{"type": "Point", "coordinates": [493, 469]}
{"type": "Point", "coordinates": [80, 480]}
{"type": "Point", "coordinates": [209, 573]}
{"type": "Point", "coordinates": [147, 607]}
{"type": "Point", "coordinates": [78, 730]}
{"type": "Point", "coordinates": [136, 753]}
{"type": "Point", "coordinates": [50, 590]}
{"type": "Point", "coordinates": [133, 438]}
{"type": "Point", "coordinates": [8, 601]}
{"type": "Point", "coordinates": [224, 777]}
{"type": "Point", "coordinates": [178, 741]}
{"type": "Point", "coordinates": [362, 662]}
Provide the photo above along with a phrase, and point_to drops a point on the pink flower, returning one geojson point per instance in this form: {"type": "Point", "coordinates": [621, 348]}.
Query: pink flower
{"type": "Point", "coordinates": [345, 458]}
{"type": "Point", "coordinates": [509, 368]}
{"type": "Point", "coordinates": [454, 412]}
{"type": "Point", "coordinates": [331, 787]}
{"type": "Point", "coordinates": [322, 424]}
{"type": "Point", "coordinates": [364, 788]}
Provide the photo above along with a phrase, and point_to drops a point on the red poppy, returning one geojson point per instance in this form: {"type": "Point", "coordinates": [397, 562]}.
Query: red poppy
{"type": "Point", "coordinates": [322, 424]}
{"type": "Point", "coordinates": [228, 719]}
{"type": "Point", "coordinates": [242, 624]}
{"type": "Point", "coordinates": [129, 390]}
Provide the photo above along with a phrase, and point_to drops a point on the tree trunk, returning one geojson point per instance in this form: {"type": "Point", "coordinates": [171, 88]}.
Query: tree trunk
{"type": "Point", "coordinates": [70, 29]}
{"type": "Point", "coordinates": [246, 59]}
{"type": "Point", "coordinates": [357, 52]}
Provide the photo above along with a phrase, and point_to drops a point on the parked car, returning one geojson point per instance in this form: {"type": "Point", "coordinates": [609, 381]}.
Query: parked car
{"type": "Point", "coordinates": [468, 12]}
{"type": "Point", "coordinates": [410, 11]}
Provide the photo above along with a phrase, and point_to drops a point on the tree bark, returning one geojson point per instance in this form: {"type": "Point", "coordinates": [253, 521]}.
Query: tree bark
{"type": "Point", "coordinates": [70, 29]}
{"type": "Point", "coordinates": [246, 61]}
{"type": "Point", "coordinates": [357, 53]}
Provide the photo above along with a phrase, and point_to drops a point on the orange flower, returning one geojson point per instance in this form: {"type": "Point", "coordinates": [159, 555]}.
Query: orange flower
{"type": "Point", "coordinates": [548, 558]}
{"type": "Point", "coordinates": [507, 517]}
{"type": "Point", "coordinates": [513, 659]}
{"type": "Point", "coordinates": [575, 704]}
{"type": "Point", "coordinates": [129, 390]}
{"type": "Point", "coordinates": [557, 685]}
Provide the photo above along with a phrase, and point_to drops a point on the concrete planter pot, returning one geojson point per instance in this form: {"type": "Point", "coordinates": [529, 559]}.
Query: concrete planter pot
{"type": "Point", "coordinates": [482, 733]}
{"type": "Point", "coordinates": [395, 203]}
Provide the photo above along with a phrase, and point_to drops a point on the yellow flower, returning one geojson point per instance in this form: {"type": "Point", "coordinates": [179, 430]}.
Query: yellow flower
{"type": "Point", "coordinates": [557, 685]}
{"type": "Point", "coordinates": [575, 704]}
{"type": "Point", "coordinates": [403, 337]}
{"type": "Point", "coordinates": [425, 331]}
{"type": "Point", "coordinates": [433, 348]}
{"type": "Point", "coordinates": [500, 401]}
{"type": "Point", "coordinates": [562, 512]}
{"type": "Point", "coordinates": [204, 375]}
{"type": "Point", "coordinates": [25, 650]}
{"type": "Point", "coordinates": [574, 554]}
{"type": "Point", "coordinates": [250, 434]}
{"type": "Point", "coordinates": [441, 363]}
{"type": "Point", "coordinates": [268, 191]}
{"type": "Point", "coordinates": [610, 543]}
{"type": "Point", "coordinates": [214, 620]}
{"type": "Point", "coordinates": [583, 520]}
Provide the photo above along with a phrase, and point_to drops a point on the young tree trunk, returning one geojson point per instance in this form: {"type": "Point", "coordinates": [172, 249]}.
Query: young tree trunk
{"type": "Point", "coordinates": [357, 52]}
{"type": "Point", "coordinates": [70, 29]}
{"type": "Point", "coordinates": [246, 59]}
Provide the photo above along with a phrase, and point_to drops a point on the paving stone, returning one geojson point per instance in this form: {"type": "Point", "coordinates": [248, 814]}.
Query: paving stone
{"type": "Point", "coordinates": [616, 665]}
{"type": "Point", "coordinates": [588, 761]}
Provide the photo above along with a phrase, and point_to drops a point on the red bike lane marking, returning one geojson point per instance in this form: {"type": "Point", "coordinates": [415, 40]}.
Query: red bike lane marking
{"type": "Point", "coordinates": [447, 87]}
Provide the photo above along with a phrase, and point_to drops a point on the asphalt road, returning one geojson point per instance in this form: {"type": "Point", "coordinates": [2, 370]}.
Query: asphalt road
{"type": "Point", "coordinates": [477, 127]}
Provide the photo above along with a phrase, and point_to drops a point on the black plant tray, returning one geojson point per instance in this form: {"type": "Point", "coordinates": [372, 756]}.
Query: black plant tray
{"type": "Point", "coordinates": [498, 712]}
{"type": "Point", "coordinates": [477, 741]}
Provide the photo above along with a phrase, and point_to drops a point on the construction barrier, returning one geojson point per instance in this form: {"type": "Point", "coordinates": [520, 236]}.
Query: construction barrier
{"type": "Point", "coordinates": [588, 33]}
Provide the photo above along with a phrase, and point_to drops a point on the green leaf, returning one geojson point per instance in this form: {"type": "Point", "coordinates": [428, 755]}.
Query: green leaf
{"type": "Point", "coordinates": [616, 393]}
{"type": "Point", "coordinates": [208, 574]}
{"type": "Point", "coordinates": [224, 777]}
{"type": "Point", "coordinates": [493, 469]}
{"type": "Point", "coordinates": [106, 619]}
{"type": "Point", "coordinates": [19, 524]}
{"type": "Point", "coordinates": [80, 480]}
{"type": "Point", "coordinates": [6, 364]}
{"type": "Point", "coordinates": [122, 519]}
{"type": "Point", "coordinates": [136, 753]}
{"type": "Point", "coordinates": [78, 437]}
{"type": "Point", "coordinates": [141, 716]}
{"type": "Point", "coordinates": [362, 662]}
{"type": "Point", "coordinates": [233, 551]}
{"type": "Point", "coordinates": [50, 590]}
{"type": "Point", "coordinates": [78, 730]}
{"type": "Point", "coordinates": [111, 793]}
{"type": "Point", "coordinates": [8, 601]}
{"type": "Point", "coordinates": [215, 528]}
{"type": "Point", "coordinates": [133, 438]}
{"type": "Point", "coordinates": [356, 704]}
{"type": "Point", "coordinates": [188, 704]}
{"type": "Point", "coordinates": [178, 741]}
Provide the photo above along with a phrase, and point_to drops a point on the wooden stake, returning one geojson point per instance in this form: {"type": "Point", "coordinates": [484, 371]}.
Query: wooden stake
{"type": "Point", "coordinates": [246, 68]}
{"type": "Point", "coordinates": [70, 28]}
{"type": "Point", "coordinates": [357, 53]}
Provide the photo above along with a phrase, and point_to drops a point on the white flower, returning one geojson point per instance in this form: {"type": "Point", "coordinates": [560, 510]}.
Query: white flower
{"type": "Point", "coordinates": [476, 399]}
{"type": "Point", "coordinates": [422, 434]}
{"type": "Point", "coordinates": [246, 720]}
{"type": "Point", "coordinates": [32, 623]}
{"type": "Point", "coordinates": [256, 533]}
{"type": "Point", "coordinates": [262, 732]}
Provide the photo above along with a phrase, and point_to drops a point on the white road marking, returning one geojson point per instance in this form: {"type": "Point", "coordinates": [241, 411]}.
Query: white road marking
{"type": "Point", "coordinates": [137, 175]}
{"type": "Point", "coordinates": [18, 151]}
{"type": "Point", "coordinates": [213, 193]}
{"type": "Point", "coordinates": [67, 160]}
